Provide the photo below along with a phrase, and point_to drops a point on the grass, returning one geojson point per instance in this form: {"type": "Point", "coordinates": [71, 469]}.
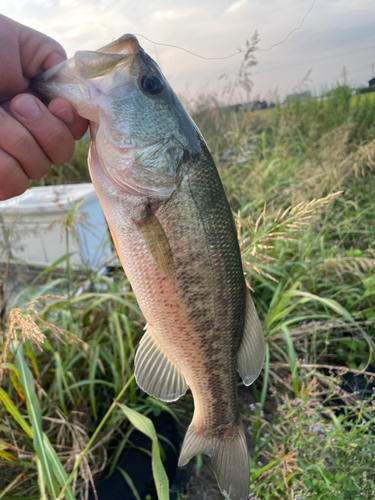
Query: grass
{"type": "Point", "coordinates": [311, 266]}
{"type": "Point", "coordinates": [327, 449]}
{"type": "Point", "coordinates": [300, 180]}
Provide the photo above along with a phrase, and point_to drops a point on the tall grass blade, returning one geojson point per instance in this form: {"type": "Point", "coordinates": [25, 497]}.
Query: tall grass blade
{"type": "Point", "coordinates": [292, 358]}
{"type": "Point", "coordinates": [58, 469]}
{"type": "Point", "coordinates": [12, 409]}
{"type": "Point", "coordinates": [36, 422]}
{"type": "Point", "coordinates": [340, 310]}
{"type": "Point", "coordinates": [15, 379]}
{"type": "Point", "coordinates": [92, 373]}
{"type": "Point", "coordinates": [59, 381]}
{"type": "Point", "coordinates": [144, 424]}
{"type": "Point", "coordinates": [120, 341]}
{"type": "Point", "coordinates": [130, 483]}
{"type": "Point", "coordinates": [266, 372]}
{"type": "Point", "coordinates": [41, 480]}
{"type": "Point", "coordinates": [156, 402]}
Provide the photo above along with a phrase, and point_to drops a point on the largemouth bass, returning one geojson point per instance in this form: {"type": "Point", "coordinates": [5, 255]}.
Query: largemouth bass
{"type": "Point", "coordinates": [176, 239]}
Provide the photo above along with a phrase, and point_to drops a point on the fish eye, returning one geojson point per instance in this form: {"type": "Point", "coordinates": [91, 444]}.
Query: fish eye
{"type": "Point", "coordinates": [152, 84]}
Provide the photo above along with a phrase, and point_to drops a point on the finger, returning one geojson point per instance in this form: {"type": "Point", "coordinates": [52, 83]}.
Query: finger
{"type": "Point", "coordinates": [52, 135]}
{"type": "Point", "coordinates": [38, 52]}
{"type": "Point", "coordinates": [13, 180]}
{"type": "Point", "coordinates": [16, 141]}
{"type": "Point", "coordinates": [65, 112]}
{"type": "Point", "coordinates": [6, 103]}
{"type": "Point", "coordinates": [12, 80]}
{"type": "Point", "coordinates": [24, 53]}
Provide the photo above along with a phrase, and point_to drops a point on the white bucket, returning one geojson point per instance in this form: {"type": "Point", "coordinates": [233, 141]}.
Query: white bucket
{"type": "Point", "coordinates": [31, 225]}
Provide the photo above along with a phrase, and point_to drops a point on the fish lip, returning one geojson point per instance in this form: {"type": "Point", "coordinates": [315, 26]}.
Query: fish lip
{"type": "Point", "coordinates": [45, 76]}
{"type": "Point", "coordinates": [41, 77]}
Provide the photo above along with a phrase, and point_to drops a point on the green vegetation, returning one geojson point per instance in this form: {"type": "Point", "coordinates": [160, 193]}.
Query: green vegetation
{"type": "Point", "coordinates": [301, 184]}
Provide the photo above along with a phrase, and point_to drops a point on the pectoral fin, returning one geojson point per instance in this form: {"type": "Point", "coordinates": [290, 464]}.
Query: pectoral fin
{"type": "Point", "coordinates": [250, 356]}
{"type": "Point", "coordinates": [157, 242]}
{"type": "Point", "coordinates": [155, 373]}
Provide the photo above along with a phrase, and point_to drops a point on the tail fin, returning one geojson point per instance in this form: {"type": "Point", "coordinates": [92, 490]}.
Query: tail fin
{"type": "Point", "coordinates": [229, 459]}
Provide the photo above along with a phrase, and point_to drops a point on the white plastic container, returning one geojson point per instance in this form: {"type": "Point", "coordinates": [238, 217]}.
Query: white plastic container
{"type": "Point", "coordinates": [32, 226]}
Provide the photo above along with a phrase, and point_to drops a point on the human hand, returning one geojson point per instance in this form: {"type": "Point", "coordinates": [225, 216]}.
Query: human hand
{"type": "Point", "coordinates": [32, 136]}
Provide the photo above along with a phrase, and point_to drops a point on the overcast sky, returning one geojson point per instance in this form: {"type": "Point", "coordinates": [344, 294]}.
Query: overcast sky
{"type": "Point", "coordinates": [336, 33]}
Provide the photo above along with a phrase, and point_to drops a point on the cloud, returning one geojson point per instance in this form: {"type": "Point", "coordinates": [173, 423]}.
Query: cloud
{"type": "Point", "coordinates": [333, 29]}
{"type": "Point", "coordinates": [235, 7]}
{"type": "Point", "coordinates": [169, 14]}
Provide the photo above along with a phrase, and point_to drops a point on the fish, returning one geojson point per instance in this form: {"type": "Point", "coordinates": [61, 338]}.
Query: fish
{"type": "Point", "coordinates": [175, 235]}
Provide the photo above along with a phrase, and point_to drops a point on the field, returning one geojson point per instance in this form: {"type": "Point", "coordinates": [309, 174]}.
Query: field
{"type": "Point", "coordinates": [301, 184]}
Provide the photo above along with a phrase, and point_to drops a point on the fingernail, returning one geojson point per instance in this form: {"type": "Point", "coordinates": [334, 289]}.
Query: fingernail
{"type": "Point", "coordinates": [27, 107]}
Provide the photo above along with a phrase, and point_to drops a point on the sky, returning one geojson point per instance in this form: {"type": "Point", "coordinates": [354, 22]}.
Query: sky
{"type": "Point", "coordinates": [336, 33]}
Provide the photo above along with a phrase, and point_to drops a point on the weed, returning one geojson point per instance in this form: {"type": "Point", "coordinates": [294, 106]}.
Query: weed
{"type": "Point", "coordinates": [300, 180]}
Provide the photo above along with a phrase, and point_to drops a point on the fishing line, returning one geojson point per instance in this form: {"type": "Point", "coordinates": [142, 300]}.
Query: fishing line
{"type": "Point", "coordinates": [286, 38]}
{"type": "Point", "coordinates": [236, 53]}
{"type": "Point", "coordinates": [334, 56]}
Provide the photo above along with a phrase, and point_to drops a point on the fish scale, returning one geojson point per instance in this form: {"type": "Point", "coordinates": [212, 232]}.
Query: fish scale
{"type": "Point", "coordinates": [224, 283]}
{"type": "Point", "coordinates": [176, 239]}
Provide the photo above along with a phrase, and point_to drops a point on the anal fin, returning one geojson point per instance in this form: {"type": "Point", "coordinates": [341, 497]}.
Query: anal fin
{"type": "Point", "coordinates": [250, 356]}
{"type": "Point", "coordinates": [155, 373]}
